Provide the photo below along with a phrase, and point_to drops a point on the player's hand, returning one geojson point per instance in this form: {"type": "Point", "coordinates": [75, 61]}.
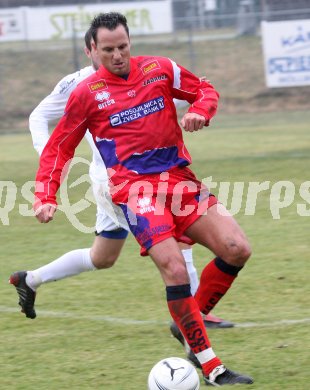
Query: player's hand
{"type": "Point", "coordinates": [193, 122]}
{"type": "Point", "coordinates": [45, 213]}
{"type": "Point", "coordinates": [204, 78]}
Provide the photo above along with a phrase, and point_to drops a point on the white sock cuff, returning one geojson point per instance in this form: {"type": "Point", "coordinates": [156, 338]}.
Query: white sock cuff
{"type": "Point", "coordinates": [206, 355]}
{"type": "Point", "coordinates": [188, 255]}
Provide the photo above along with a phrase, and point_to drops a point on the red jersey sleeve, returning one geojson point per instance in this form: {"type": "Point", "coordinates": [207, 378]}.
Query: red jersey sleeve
{"type": "Point", "coordinates": [58, 152]}
{"type": "Point", "coordinates": [200, 94]}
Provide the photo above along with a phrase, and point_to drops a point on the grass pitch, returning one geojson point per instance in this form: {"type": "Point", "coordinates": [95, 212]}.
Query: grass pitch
{"type": "Point", "coordinates": [106, 329]}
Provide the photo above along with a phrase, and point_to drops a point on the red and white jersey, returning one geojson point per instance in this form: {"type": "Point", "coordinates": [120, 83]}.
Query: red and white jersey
{"type": "Point", "coordinates": [52, 108]}
{"type": "Point", "coordinates": [133, 121]}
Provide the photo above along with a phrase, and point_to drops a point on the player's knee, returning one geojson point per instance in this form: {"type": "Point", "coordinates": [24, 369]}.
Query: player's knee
{"type": "Point", "coordinates": [238, 252]}
{"type": "Point", "coordinates": [103, 260]}
{"type": "Point", "coordinates": [245, 251]}
{"type": "Point", "coordinates": [174, 270]}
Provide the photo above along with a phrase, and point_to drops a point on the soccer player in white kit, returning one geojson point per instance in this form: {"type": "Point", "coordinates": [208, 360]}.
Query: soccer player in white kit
{"type": "Point", "coordinates": [111, 225]}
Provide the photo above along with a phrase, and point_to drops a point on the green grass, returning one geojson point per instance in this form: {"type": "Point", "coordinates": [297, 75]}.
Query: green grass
{"type": "Point", "coordinates": [75, 344]}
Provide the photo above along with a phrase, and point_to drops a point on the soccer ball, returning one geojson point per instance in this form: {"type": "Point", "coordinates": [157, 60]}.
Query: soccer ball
{"type": "Point", "coordinates": [173, 374]}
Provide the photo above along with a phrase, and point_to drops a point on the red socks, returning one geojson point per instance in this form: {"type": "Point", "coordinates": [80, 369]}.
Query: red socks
{"type": "Point", "coordinates": [215, 280]}
{"type": "Point", "coordinates": [185, 312]}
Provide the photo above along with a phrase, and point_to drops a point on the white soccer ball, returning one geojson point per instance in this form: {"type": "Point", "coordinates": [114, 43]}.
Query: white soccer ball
{"type": "Point", "coordinates": [173, 373]}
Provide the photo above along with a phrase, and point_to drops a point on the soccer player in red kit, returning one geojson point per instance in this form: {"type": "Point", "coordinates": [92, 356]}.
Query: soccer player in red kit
{"type": "Point", "coordinates": [127, 105]}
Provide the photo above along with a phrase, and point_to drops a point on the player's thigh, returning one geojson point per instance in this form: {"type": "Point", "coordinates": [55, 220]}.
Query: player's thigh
{"type": "Point", "coordinates": [109, 241]}
{"type": "Point", "coordinates": [105, 251]}
{"type": "Point", "coordinates": [220, 232]}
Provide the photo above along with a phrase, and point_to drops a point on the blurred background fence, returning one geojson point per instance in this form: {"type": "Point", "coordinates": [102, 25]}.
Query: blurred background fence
{"type": "Point", "coordinates": [217, 38]}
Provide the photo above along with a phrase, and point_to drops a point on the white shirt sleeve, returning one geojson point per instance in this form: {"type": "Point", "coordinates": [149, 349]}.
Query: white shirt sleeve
{"type": "Point", "coordinates": [180, 103]}
{"type": "Point", "coordinates": [52, 107]}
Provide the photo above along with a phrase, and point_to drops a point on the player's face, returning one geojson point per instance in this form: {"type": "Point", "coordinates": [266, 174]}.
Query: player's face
{"type": "Point", "coordinates": [93, 56]}
{"type": "Point", "coordinates": [95, 60]}
{"type": "Point", "coordinates": [113, 50]}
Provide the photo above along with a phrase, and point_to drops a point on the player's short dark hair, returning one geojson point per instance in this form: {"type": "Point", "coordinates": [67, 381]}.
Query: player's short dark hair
{"type": "Point", "coordinates": [87, 39]}
{"type": "Point", "coordinates": [109, 20]}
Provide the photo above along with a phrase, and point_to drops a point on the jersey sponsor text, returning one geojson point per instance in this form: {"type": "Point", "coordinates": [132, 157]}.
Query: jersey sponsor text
{"type": "Point", "coordinates": [140, 111]}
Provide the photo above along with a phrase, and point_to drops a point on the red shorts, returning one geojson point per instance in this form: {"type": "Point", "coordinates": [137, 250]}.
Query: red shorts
{"type": "Point", "coordinates": [164, 205]}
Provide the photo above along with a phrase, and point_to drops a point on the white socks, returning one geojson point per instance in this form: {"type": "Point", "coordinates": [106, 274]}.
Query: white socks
{"type": "Point", "coordinates": [192, 272]}
{"type": "Point", "coordinates": [70, 264]}
{"type": "Point", "coordinates": [79, 260]}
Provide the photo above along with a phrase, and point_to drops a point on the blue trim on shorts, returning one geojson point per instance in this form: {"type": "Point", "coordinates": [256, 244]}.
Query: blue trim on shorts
{"type": "Point", "coordinates": [118, 234]}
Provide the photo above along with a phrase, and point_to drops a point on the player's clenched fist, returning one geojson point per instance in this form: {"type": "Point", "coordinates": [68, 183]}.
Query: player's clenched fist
{"type": "Point", "coordinates": [45, 213]}
{"type": "Point", "coordinates": [193, 122]}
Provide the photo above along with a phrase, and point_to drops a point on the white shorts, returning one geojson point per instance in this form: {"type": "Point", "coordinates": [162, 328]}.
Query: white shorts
{"type": "Point", "coordinates": [109, 216]}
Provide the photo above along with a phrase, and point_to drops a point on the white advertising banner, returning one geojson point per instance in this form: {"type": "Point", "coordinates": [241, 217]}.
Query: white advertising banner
{"type": "Point", "coordinates": [12, 27]}
{"type": "Point", "coordinates": [53, 23]}
{"type": "Point", "coordinates": [286, 48]}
